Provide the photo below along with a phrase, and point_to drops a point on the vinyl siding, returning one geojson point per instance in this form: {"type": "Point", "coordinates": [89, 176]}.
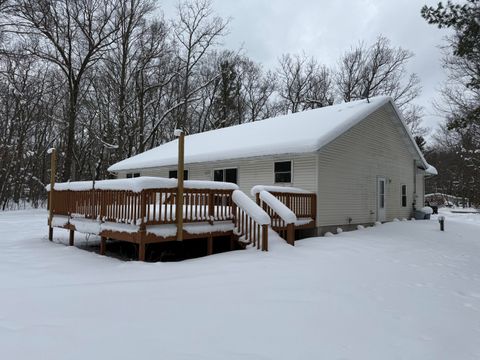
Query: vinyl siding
{"type": "Point", "coordinates": [349, 166]}
{"type": "Point", "coordinates": [250, 172]}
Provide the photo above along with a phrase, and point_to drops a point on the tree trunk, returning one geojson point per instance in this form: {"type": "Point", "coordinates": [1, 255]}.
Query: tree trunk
{"type": "Point", "coordinates": [72, 117]}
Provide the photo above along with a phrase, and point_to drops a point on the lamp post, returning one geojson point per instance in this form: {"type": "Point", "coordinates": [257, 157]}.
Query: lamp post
{"type": "Point", "coordinates": [180, 169]}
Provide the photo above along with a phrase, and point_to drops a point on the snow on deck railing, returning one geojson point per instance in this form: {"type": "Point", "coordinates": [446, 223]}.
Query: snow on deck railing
{"type": "Point", "coordinates": [281, 189]}
{"type": "Point", "coordinates": [251, 221]}
{"type": "Point", "coordinates": [287, 215]}
{"type": "Point", "coordinates": [140, 183]}
{"type": "Point", "coordinates": [249, 206]}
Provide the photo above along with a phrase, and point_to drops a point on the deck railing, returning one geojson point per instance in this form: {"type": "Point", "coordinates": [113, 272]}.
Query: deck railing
{"type": "Point", "coordinates": [283, 219]}
{"type": "Point", "coordinates": [302, 205]}
{"type": "Point", "coordinates": [150, 201]}
{"type": "Point", "coordinates": [148, 207]}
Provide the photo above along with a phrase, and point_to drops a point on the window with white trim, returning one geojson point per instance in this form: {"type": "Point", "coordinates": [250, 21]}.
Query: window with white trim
{"type": "Point", "coordinates": [133, 175]}
{"type": "Point", "coordinates": [283, 171]}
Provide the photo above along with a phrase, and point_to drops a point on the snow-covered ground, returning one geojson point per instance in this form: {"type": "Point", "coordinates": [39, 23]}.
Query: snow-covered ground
{"type": "Point", "coordinates": [402, 290]}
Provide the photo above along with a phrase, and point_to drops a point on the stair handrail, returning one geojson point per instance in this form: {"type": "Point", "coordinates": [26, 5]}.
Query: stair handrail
{"type": "Point", "coordinates": [251, 221]}
{"type": "Point", "coordinates": [285, 215]}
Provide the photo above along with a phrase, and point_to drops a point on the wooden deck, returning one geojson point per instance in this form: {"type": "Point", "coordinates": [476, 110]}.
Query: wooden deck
{"type": "Point", "coordinates": [149, 216]}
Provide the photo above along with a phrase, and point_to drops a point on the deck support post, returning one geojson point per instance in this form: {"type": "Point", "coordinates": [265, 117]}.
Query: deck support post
{"type": "Point", "coordinates": [71, 238]}
{"type": "Point", "coordinates": [141, 251]}
{"type": "Point", "coordinates": [103, 245]}
{"type": "Point", "coordinates": [264, 237]}
{"type": "Point", "coordinates": [210, 245]}
{"type": "Point", "coordinates": [291, 234]}
{"type": "Point", "coordinates": [50, 233]}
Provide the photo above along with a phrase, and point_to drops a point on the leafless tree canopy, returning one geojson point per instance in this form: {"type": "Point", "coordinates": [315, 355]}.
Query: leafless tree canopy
{"type": "Point", "coordinates": [379, 69]}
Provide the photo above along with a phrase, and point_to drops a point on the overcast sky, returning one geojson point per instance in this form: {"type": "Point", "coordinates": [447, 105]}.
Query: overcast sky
{"type": "Point", "coordinates": [326, 29]}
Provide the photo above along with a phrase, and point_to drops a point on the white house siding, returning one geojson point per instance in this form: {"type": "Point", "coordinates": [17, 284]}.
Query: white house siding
{"type": "Point", "coordinates": [343, 173]}
{"type": "Point", "coordinates": [420, 179]}
{"type": "Point", "coordinates": [250, 172]}
{"type": "Point", "coordinates": [349, 166]}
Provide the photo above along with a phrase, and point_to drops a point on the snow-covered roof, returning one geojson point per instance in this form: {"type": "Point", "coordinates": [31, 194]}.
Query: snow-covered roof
{"type": "Point", "coordinates": [301, 132]}
{"type": "Point", "coordinates": [431, 170]}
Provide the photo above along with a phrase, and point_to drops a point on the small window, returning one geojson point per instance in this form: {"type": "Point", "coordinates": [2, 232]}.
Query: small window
{"type": "Point", "coordinates": [133, 175]}
{"type": "Point", "coordinates": [172, 174]}
{"type": "Point", "coordinates": [283, 172]}
{"type": "Point", "coordinates": [404, 195]}
{"type": "Point", "coordinates": [382, 194]}
{"type": "Point", "coordinates": [226, 175]}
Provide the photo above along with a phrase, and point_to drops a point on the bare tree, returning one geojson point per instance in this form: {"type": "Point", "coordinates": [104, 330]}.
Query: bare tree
{"type": "Point", "coordinates": [72, 35]}
{"type": "Point", "coordinates": [380, 69]}
{"type": "Point", "coordinates": [196, 30]}
{"type": "Point", "coordinates": [303, 83]}
{"type": "Point", "coordinates": [258, 88]}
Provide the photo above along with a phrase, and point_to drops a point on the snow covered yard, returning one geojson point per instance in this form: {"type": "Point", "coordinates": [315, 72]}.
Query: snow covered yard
{"type": "Point", "coordinates": [402, 290]}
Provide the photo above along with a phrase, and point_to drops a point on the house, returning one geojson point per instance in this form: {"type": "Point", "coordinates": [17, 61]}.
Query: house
{"type": "Point", "coordinates": [359, 158]}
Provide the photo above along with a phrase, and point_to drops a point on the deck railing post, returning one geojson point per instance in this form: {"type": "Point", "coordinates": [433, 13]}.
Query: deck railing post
{"type": "Point", "coordinates": [314, 208]}
{"type": "Point", "coordinates": [53, 170]}
{"type": "Point", "coordinates": [142, 227]}
{"type": "Point", "coordinates": [264, 237]}
{"type": "Point", "coordinates": [181, 165]}
{"type": "Point", "coordinates": [291, 234]}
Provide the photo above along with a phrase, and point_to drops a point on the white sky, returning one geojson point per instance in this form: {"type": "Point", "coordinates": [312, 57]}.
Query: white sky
{"type": "Point", "coordinates": [326, 29]}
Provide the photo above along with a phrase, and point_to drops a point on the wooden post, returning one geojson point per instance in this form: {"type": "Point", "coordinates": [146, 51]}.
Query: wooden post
{"type": "Point", "coordinates": [142, 230]}
{"type": "Point", "coordinates": [71, 237]}
{"type": "Point", "coordinates": [264, 237]}
{"type": "Point", "coordinates": [314, 208]}
{"type": "Point", "coordinates": [103, 245]}
{"type": "Point", "coordinates": [291, 234]}
{"type": "Point", "coordinates": [181, 166]}
{"type": "Point", "coordinates": [53, 170]}
{"type": "Point", "coordinates": [210, 245]}
{"type": "Point", "coordinates": [141, 251]}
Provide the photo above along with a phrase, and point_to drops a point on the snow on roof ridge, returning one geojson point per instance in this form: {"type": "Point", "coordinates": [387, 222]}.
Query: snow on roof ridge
{"type": "Point", "coordinates": [300, 132]}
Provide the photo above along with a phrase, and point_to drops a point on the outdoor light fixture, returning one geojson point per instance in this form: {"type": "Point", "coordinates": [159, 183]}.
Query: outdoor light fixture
{"type": "Point", "coordinates": [177, 132]}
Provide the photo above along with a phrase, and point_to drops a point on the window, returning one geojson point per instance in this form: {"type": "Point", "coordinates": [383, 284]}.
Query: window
{"type": "Point", "coordinates": [381, 194]}
{"type": "Point", "coordinates": [172, 174]}
{"type": "Point", "coordinates": [226, 175]}
{"type": "Point", "coordinates": [283, 172]}
{"type": "Point", "coordinates": [404, 195]}
{"type": "Point", "coordinates": [133, 175]}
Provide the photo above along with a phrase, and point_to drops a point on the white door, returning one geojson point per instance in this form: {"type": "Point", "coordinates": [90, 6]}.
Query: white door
{"type": "Point", "coordinates": [381, 199]}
